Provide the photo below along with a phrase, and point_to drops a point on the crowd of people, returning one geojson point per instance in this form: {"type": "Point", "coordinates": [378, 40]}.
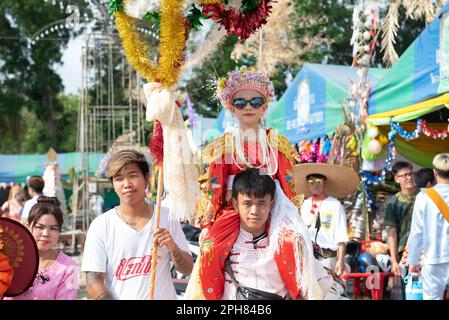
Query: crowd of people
{"type": "Point", "coordinates": [260, 239]}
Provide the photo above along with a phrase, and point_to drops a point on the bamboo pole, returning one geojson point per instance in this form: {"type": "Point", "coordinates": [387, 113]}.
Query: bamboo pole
{"type": "Point", "coordinates": [158, 214]}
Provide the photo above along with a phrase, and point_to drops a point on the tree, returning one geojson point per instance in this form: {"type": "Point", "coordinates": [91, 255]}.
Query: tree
{"type": "Point", "coordinates": [28, 79]}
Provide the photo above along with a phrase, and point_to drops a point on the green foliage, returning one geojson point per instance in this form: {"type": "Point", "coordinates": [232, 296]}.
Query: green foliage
{"type": "Point", "coordinates": [153, 18]}
{"type": "Point", "coordinates": [333, 18]}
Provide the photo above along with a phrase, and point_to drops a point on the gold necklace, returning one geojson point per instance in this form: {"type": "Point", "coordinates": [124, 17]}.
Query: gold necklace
{"type": "Point", "coordinates": [48, 261]}
{"type": "Point", "coordinates": [40, 275]}
{"type": "Point", "coordinates": [132, 223]}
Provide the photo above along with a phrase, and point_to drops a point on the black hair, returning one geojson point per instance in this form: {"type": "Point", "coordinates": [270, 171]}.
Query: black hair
{"type": "Point", "coordinates": [36, 183]}
{"type": "Point", "coordinates": [315, 175]}
{"type": "Point", "coordinates": [122, 158]}
{"type": "Point", "coordinates": [398, 166]}
{"type": "Point", "coordinates": [442, 174]}
{"type": "Point", "coordinates": [46, 205]}
{"type": "Point", "coordinates": [252, 183]}
{"type": "Point", "coordinates": [423, 177]}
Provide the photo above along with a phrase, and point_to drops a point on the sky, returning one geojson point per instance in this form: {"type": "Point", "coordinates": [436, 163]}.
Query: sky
{"type": "Point", "coordinates": [71, 68]}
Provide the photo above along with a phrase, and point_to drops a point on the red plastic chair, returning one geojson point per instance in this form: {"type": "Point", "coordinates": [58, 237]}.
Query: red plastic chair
{"type": "Point", "coordinates": [378, 277]}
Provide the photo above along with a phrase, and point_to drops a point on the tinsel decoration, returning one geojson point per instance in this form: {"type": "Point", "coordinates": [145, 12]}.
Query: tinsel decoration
{"type": "Point", "coordinates": [242, 24]}
{"type": "Point", "coordinates": [207, 2]}
{"type": "Point", "coordinates": [115, 6]}
{"type": "Point", "coordinates": [173, 36]}
{"type": "Point", "coordinates": [215, 37]}
{"type": "Point", "coordinates": [138, 8]}
{"type": "Point", "coordinates": [407, 135]}
{"type": "Point", "coordinates": [249, 5]}
{"type": "Point", "coordinates": [194, 17]}
{"type": "Point", "coordinates": [435, 134]}
{"type": "Point", "coordinates": [157, 144]}
{"type": "Point", "coordinates": [135, 49]}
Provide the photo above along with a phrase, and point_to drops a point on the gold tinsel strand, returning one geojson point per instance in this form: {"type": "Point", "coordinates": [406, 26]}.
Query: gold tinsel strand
{"type": "Point", "coordinates": [135, 49]}
{"type": "Point", "coordinates": [209, 1]}
{"type": "Point", "coordinates": [172, 44]}
{"type": "Point", "coordinates": [173, 39]}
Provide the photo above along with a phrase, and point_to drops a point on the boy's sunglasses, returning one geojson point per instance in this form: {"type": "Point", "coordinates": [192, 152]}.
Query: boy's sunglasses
{"type": "Point", "coordinates": [255, 102]}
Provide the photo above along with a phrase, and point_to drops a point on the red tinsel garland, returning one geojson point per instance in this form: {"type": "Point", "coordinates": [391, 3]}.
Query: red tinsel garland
{"type": "Point", "coordinates": [241, 24]}
{"type": "Point", "coordinates": [157, 144]}
{"type": "Point", "coordinates": [435, 134]}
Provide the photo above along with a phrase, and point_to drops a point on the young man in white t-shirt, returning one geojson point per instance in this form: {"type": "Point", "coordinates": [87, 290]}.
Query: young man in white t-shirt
{"type": "Point", "coordinates": [119, 243]}
{"type": "Point", "coordinates": [326, 219]}
{"type": "Point", "coordinates": [36, 186]}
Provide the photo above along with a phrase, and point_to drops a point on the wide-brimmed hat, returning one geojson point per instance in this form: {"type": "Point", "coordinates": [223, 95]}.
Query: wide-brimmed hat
{"type": "Point", "coordinates": [340, 180]}
{"type": "Point", "coordinates": [18, 244]}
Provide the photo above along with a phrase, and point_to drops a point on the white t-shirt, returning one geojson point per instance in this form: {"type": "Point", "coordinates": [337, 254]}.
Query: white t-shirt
{"type": "Point", "coordinates": [124, 254]}
{"type": "Point", "coordinates": [28, 206]}
{"type": "Point", "coordinates": [333, 222]}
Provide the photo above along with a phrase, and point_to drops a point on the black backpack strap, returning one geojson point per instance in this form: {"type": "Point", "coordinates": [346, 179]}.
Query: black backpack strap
{"type": "Point", "coordinates": [318, 224]}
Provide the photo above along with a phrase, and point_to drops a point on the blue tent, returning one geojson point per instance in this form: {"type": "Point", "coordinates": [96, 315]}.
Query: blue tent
{"type": "Point", "coordinates": [417, 86]}
{"type": "Point", "coordinates": [312, 106]}
{"type": "Point", "coordinates": [421, 73]}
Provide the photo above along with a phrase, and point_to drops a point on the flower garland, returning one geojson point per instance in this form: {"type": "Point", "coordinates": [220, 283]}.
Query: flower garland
{"type": "Point", "coordinates": [236, 22]}
{"type": "Point", "coordinates": [173, 37]}
{"type": "Point", "coordinates": [407, 135]}
{"type": "Point", "coordinates": [435, 134]}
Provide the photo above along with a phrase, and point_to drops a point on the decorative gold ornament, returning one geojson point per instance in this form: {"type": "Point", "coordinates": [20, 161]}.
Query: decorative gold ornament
{"type": "Point", "coordinates": [172, 44]}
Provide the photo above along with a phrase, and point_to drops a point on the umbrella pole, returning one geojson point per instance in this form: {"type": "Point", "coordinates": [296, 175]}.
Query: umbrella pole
{"type": "Point", "coordinates": [158, 214]}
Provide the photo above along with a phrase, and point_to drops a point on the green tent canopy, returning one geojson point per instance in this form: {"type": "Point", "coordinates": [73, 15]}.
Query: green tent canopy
{"type": "Point", "coordinates": [16, 168]}
{"type": "Point", "coordinates": [416, 87]}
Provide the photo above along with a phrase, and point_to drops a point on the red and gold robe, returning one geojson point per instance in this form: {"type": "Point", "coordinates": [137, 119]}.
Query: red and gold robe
{"type": "Point", "coordinates": [218, 165]}
{"type": "Point", "coordinates": [218, 214]}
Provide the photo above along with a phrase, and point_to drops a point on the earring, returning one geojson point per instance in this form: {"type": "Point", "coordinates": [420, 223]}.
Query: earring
{"type": "Point", "coordinates": [236, 123]}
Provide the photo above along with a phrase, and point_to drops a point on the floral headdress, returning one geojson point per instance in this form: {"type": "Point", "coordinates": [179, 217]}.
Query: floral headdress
{"type": "Point", "coordinates": [243, 79]}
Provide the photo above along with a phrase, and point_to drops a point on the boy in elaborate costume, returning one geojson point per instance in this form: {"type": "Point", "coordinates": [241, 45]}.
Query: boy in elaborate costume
{"type": "Point", "coordinates": [246, 94]}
